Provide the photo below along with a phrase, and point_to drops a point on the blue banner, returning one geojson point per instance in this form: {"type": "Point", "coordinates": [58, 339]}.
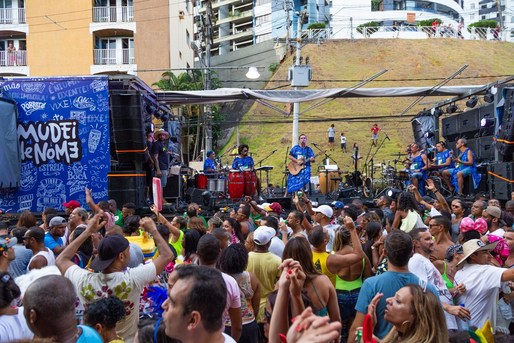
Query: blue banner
{"type": "Point", "coordinates": [63, 134]}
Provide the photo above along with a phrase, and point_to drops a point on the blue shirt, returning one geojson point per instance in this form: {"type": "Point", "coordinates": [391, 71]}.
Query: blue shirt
{"type": "Point", "coordinates": [295, 183]}
{"type": "Point", "coordinates": [209, 164]}
{"type": "Point", "coordinates": [441, 157]}
{"type": "Point", "coordinates": [387, 283]}
{"type": "Point", "coordinates": [89, 335]}
{"type": "Point", "coordinates": [51, 242]}
{"type": "Point", "coordinates": [242, 163]}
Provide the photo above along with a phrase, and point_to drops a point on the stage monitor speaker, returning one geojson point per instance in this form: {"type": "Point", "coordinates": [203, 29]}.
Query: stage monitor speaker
{"type": "Point", "coordinates": [469, 123]}
{"type": "Point", "coordinates": [173, 187]}
{"type": "Point", "coordinates": [127, 186]}
{"type": "Point", "coordinates": [285, 202]}
{"type": "Point", "coordinates": [451, 128]}
{"type": "Point", "coordinates": [194, 195]}
{"type": "Point", "coordinates": [499, 184]}
{"type": "Point", "coordinates": [486, 149]}
{"type": "Point", "coordinates": [128, 127]}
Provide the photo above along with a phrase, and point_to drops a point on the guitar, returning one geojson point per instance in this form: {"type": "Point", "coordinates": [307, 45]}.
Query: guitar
{"type": "Point", "coordinates": [295, 168]}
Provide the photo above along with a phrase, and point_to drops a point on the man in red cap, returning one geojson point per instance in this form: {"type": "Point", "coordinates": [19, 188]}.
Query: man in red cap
{"type": "Point", "coordinates": [70, 206]}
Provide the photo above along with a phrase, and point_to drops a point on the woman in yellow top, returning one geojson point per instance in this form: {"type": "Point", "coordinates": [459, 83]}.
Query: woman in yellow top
{"type": "Point", "coordinates": [350, 265]}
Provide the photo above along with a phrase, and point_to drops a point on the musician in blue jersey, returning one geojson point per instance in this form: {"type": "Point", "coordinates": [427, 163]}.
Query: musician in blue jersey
{"type": "Point", "coordinates": [443, 159]}
{"type": "Point", "coordinates": [465, 164]}
{"type": "Point", "coordinates": [243, 161]}
{"type": "Point", "coordinates": [209, 165]}
{"type": "Point", "coordinates": [418, 167]}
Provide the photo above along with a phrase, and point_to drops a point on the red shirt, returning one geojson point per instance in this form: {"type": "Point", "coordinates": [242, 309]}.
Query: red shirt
{"type": "Point", "coordinates": [375, 130]}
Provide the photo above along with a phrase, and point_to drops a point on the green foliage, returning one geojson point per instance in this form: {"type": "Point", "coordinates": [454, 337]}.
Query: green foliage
{"type": "Point", "coordinates": [428, 22]}
{"type": "Point", "coordinates": [486, 23]}
{"type": "Point", "coordinates": [371, 27]}
{"type": "Point", "coordinates": [376, 5]}
{"type": "Point", "coordinates": [273, 67]}
{"type": "Point", "coordinates": [316, 26]}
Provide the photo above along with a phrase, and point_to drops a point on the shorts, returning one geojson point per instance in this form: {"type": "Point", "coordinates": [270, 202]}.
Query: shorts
{"type": "Point", "coordinates": [418, 176]}
{"type": "Point", "coordinates": [164, 178]}
{"type": "Point", "coordinates": [374, 136]}
{"type": "Point", "coordinates": [343, 145]}
{"type": "Point", "coordinates": [465, 171]}
{"type": "Point", "coordinates": [331, 139]}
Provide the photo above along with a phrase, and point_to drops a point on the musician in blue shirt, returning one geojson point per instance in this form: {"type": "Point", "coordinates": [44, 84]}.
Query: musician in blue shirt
{"type": "Point", "coordinates": [465, 165]}
{"type": "Point", "coordinates": [209, 166]}
{"type": "Point", "coordinates": [443, 159]}
{"type": "Point", "coordinates": [300, 155]}
{"type": "Point", "coordinates": [243, 161]}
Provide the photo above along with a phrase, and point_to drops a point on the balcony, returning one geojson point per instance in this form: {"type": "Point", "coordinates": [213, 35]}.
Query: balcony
{"type": "Point", "coordinates": [113, 56]}
{"type": "Point", "coordinates": [9, 16]}
{"type": "Point", "coordinates": [13, 63]}
{"type": "Point", "coordinates": [108, 61]}
{"type": "Point", "coordinates": [113, 14]}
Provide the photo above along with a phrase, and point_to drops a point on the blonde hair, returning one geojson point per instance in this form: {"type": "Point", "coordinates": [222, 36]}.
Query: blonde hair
{"type": "Point", "coordinates": [429, 324]}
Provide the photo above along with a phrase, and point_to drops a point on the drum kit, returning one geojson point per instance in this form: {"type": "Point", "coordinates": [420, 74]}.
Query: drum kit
{"type": "Point", "coordinates": [228, 183]}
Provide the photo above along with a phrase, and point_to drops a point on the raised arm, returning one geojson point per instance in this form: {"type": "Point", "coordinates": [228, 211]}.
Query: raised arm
{"type": "Point", "coordinates": [90, 202]}
{"type": "Point", "coordinates": [63, 261]}
{"type": "Point", "coordinates": [165, 254]}
{"type": "Point", "coordinates": [174, 231]}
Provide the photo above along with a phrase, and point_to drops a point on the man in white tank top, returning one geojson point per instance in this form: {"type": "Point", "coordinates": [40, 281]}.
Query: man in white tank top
{"type": "Point", "coordinates": [34, 239]}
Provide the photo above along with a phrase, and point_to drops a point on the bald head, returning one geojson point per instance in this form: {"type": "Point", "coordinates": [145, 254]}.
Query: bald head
{"type": "Point", "coordinates": [49, 305]}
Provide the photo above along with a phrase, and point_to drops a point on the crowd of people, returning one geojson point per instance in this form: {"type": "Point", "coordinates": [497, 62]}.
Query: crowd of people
{"type": "Point", "coordinates": [408, 269]}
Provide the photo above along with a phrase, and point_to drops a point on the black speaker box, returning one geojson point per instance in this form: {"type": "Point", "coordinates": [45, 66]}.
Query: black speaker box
{"type": "Point", "coordinates": [127, 186]}
{"type": "Point", "coordinates": [451, 128]}
{"type": "Point", "coordinates": [285, 202]}
{"type": "Point", "coordinates": [468, 123]}
{"type": "Point", "coordinates": [486, 149]}
{"type": "Point", "coordinates": [194, 195]}
{"type": "Point", "coordinates": [173, 187]}
{"type": "Point", "coordinates": [128, 128]}
{"type": "Point", "coordinates": [482, 186]}
{"type": "Point", "coordinates": [506, 133]}
{"type": "Point", "coordinates": [501, 189]}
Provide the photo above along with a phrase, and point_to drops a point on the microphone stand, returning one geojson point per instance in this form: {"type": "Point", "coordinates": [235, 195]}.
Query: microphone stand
{"type": "Point", "coordinates": [285, 172]}
{"type": "Point", "coordinates": [267, 171]}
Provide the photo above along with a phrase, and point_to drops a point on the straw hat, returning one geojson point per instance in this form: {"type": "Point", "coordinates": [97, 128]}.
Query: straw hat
{"type": "Point", "coordinates": [474, 245]}
{"type": "Point", "coordinates": [162, 131]}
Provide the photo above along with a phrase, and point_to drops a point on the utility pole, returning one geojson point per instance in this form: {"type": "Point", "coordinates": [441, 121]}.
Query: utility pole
{"type": "Point", "coordinates": [287, 5]}
{"type": "Point", "coordinates": [207, 77]}
{"type": "Point", "coordinates": [296, 105]}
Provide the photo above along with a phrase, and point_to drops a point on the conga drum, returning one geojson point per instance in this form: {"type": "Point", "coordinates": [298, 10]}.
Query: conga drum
{"type": "Point", "coordinates": [236, 184]}
{"type": "Point", "coordinates": [331, 185]}
{"type": "Point", "coordinates": [250, 182]}
{"type": "Point", "coordinates": [201, 181]}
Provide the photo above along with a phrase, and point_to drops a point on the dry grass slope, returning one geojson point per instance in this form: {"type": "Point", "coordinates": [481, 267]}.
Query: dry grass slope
{"type": "Point", "coordinates": [430, 60]}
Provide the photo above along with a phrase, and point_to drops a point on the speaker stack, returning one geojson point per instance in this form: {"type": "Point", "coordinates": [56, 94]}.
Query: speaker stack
{"type": "Point", "coordinates": [506, 134]}
{"type": "Point", "coordinates": [128, 143]}
{"type": "Point", "coordinates": [127, 186]}
{"type": "Point", "coordinates": [501, 177]}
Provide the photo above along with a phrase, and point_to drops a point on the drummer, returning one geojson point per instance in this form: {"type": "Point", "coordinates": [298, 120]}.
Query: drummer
{"type": "Point", "coordinates": [443, 159]}
{"type": "Point", "coordinates": [243, 162]}
{"type": "Point", "coordinates": [209, 165]}
{"type": "Point", "coordinates": [418, 167]}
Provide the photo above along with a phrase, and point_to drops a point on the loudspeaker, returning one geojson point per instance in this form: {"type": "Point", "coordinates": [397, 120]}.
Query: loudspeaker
{"type": "Point", "coordinates": [127, 186]}
{"type": "Point", "coordinates": [286, 202]}
{"type": "Point", "coordinates": [468, 187]}
{"type": "Point", "coordinates": [173, 187]}
{"type": "Point", "coordinates": [451, 128]}
{"type": "Point", "coordinates": [486, 111]}
{"type": "Point", "coordinates": [506, 134]}
{"type": "Point", "coordinates": [194, 195]}
{"type": "Point", "coordinates": [469, 123]}
{"type": "Point", "coordinates": [485, 149]}
{"type": "Point", "coordinates": [499, 186]}
{"type": "Point", "coordinates": [127, 127]}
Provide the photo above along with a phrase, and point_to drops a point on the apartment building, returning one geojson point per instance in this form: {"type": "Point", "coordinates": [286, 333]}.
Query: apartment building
{"type": "Point", "coordinates": [240, 23]}
{"type": "Point", "coordinates": [81, 37]}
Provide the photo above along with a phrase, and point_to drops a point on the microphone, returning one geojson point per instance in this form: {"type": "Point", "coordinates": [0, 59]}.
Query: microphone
{"type": "Point", "coordinates": [387, 137]}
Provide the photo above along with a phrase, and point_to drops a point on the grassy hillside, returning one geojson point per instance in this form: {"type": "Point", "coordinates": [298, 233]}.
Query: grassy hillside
{"type": "Point", "coordinates": [428, 61]}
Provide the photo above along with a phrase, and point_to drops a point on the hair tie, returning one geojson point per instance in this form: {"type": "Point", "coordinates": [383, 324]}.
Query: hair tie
{"type": "Point", "coordinates": [6, 278]}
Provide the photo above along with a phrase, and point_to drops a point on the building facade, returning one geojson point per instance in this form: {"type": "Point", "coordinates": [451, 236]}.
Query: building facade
{"type": "Point", "coordinates": [81, 37]}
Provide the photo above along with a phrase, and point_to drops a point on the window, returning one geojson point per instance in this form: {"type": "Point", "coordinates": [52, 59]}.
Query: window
{"type": "Point", "coordinates": [188, 38]}
{"type": "Point", "coordinates": [472, 6]}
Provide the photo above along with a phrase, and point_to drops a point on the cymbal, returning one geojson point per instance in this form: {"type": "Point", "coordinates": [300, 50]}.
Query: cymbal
{"type": "Point", "coordinates": [265, 168]}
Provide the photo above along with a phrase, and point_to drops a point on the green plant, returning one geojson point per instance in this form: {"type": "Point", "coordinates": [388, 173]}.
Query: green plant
{"type": "Point", "coordinates": [316, 26]}
{"type": "Point", "coordinates": [428, 22]}
{"type": "Point", "coordinates": [376, 5]}
{"type": "Point", "coordinates": [371, 27]}
{"type": "Point", "coordinates": [486, 23]}
{"type": "Point", "coordinates": [273, 67]}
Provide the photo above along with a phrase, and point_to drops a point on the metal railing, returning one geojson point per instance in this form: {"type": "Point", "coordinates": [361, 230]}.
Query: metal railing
{"type": "Point", "coordinates": [12, 16]}
{"type": "Point", "coordinates": [420, 32]}
{"type": "Point", "coordinates": [13, 58]}
{"type": "Point", "coordinates": [113, 14]}
{"type": "Point", "coordinates": [113, 56]}
{"type": "Point", "coordinates": [316, 35]}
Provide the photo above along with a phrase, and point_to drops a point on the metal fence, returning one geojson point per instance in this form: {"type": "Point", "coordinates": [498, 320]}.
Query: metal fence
{"type": "Point", "coordinates": [113, 14]}
{"type": "Point", "coordinates": [13, 58]}
{"type": "Point", "coordinates": [12, 16]}
{"type": "Point", "coordinates": [113, 56]}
